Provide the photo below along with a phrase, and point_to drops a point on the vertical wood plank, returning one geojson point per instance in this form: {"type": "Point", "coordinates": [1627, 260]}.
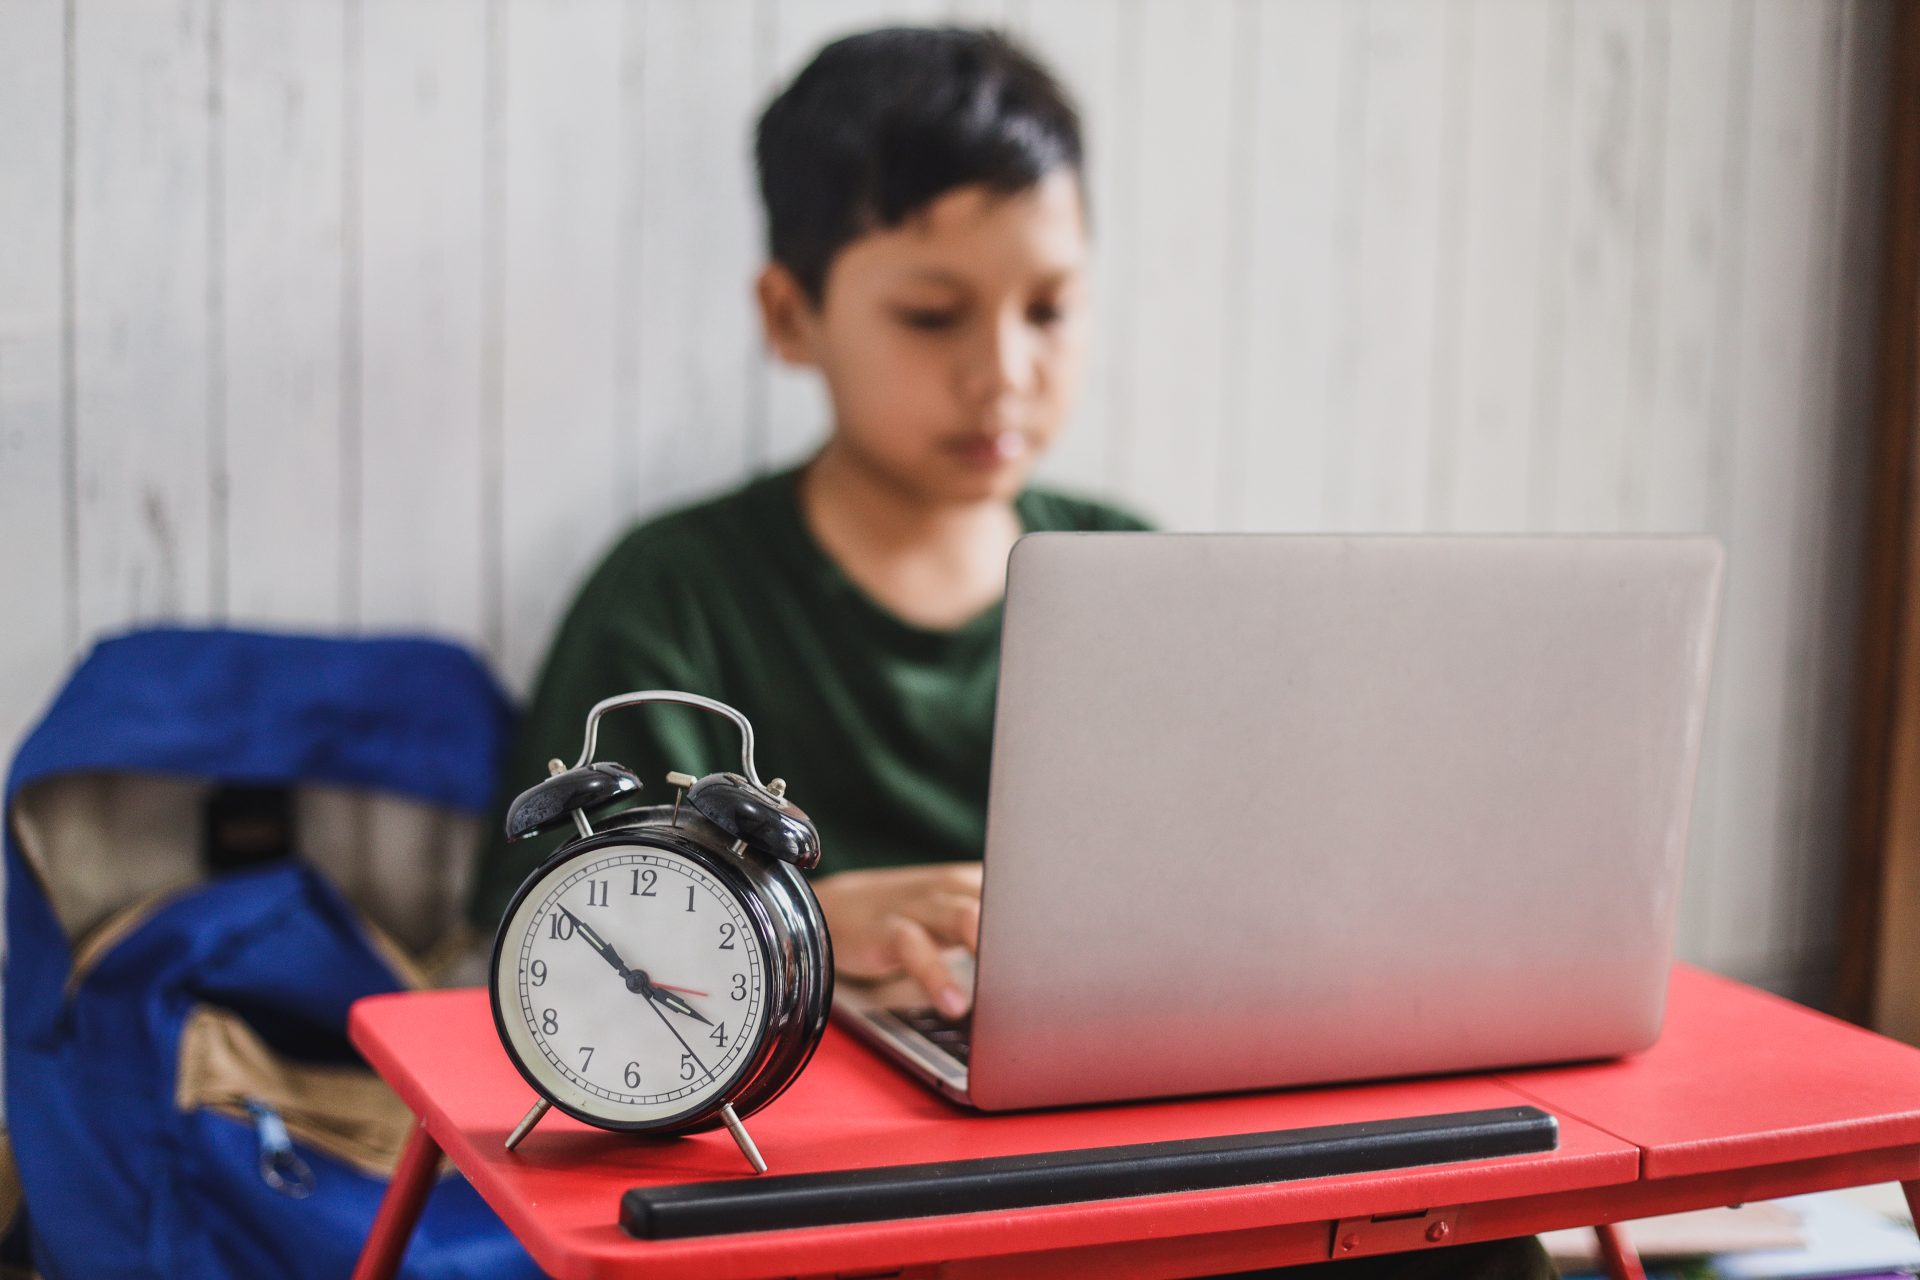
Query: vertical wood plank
{"type": "Point", "coordinates": [1612, 200]}
{"type": "Point", "coordinates": [1719, 755]}
{"type": "Point", "coordinates": [1302, 198]}
{"type": "Point", "coordinates": [698, 243]}
{"type": "Point", "coordinates": [34, 494]}
{"type": "Point", "coordinates": [1674, 455]}
{"type": "Point", "coordinates": [1489, 400]}
{"type": "Point", "coordinates": [1088, 45]}
{"type": "Point", "coordinates": [1169, 457]}
{"type": "Point", "coordinates": [1236, 355]}
{"type": "Point", "coordinates": [421, 191]}
{"type": "Point", "coordinates": [1549, 348]}
{"type": "Point", "coordinates": [1820, 464]}
{"type": "Point", "coordinates": [1696, 257]}
{"type": "Point", "coordinates": [564, 160]}
{"type": "Point", "coordinates": [283, 155]}
{"type": "Point", "coordinates": [140, 312]}
{"type": "Point", "coordinates": [1785, 136]}
{"type": "Point", "coordinates": [1449, 274]}
{"type": "Point", "coordinates": [1378, 476]}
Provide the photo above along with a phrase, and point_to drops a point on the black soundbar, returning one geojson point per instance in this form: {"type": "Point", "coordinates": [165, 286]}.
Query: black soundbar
{"type": "Point", "coordinates": [1091, 1173]}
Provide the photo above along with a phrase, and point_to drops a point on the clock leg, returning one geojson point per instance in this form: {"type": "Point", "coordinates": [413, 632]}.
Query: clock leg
{"type": "Point", "coordinates": [739, 1132]}
{"type": "Point", "coordinates": [527, 1122]}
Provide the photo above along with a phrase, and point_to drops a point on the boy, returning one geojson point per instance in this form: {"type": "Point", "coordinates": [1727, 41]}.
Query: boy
{"type": "Point", "coordinates": [927, 231]}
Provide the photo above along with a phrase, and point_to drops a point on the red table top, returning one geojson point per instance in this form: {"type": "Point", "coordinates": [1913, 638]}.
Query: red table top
{"type": "Point", "coordinates": [1742, 1078]}
{"type": "Point", "coordinates": [1739, 1078]}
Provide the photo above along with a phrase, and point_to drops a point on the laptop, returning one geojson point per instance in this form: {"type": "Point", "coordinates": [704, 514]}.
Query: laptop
{"type": "Point", "coordinates": [1271, 810]}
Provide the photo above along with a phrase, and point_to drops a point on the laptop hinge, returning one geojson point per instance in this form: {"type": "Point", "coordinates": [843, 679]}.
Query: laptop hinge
{"type": "Point", "coordinates": [1393, 1232]}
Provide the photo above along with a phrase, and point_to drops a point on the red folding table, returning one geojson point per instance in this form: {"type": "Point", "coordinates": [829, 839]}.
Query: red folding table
{"type": "Point", "coordinates": [1745, 1097]}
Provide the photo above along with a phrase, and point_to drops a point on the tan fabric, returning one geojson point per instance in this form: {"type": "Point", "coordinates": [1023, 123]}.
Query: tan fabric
{"type": "Point", "coordinates": [347, 1112]}
{"type": "Point", "coordinates": [110, 933]}
{"type": "Point", "coordinates": [100, 842]}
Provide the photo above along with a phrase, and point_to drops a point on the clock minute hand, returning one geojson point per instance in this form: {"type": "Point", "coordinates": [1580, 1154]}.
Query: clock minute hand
{"type": "Point", "coordinates": [597, 942]}
{"type": "Point", "coordinates": [668, 1023]}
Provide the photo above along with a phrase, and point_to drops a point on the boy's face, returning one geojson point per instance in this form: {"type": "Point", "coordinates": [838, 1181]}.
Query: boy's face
{"type": "Point", "coordinates": [951, 344]}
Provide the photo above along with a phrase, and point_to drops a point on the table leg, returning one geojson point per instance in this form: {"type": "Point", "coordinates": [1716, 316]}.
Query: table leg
{"type": "Point", "coordinates": [400, 1208]}
{"type": "Point", "coordinates": [1619, 1259]}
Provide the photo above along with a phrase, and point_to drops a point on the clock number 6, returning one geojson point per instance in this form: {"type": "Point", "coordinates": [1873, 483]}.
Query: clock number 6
{"type": "Point", "coordinates": [633, 1075]}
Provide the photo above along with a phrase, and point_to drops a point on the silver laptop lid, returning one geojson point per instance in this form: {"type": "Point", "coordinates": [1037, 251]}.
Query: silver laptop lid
{"type": "Point", "coordinates": [1272, 810]}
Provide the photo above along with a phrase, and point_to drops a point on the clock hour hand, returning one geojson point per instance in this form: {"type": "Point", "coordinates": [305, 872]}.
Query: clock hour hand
{"type": "Point", "coordinates": [661, 995]}
{"type": "Point", "coordinates": [597, 942]}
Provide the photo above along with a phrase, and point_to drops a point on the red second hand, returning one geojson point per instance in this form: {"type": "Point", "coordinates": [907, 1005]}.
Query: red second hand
{"type": "Point", "coordinates": [685, 991]}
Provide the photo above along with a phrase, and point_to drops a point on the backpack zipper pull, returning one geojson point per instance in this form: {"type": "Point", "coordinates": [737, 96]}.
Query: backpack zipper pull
{"type": "Point", "coordinates": [280, 1165]}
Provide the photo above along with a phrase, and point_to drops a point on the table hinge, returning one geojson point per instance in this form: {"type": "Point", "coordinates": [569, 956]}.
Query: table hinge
{"type": "Point", "coordinates": [1393, 1232]}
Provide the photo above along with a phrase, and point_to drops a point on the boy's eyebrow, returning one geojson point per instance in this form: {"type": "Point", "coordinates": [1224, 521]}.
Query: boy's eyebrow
{"type": "Point", "coordinates": [935, 275]}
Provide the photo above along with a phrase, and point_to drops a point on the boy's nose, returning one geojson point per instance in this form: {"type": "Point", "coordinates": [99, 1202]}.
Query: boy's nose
{"type": "Point", "coordinates": [1001, 361]}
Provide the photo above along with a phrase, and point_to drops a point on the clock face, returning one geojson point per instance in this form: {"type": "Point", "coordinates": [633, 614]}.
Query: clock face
{"type": "Point", "coordinates": [632, 985]}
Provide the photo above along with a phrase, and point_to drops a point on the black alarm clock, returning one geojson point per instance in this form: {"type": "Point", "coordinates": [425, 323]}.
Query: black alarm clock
{"type": "Point", "coordinates": [669, 971]}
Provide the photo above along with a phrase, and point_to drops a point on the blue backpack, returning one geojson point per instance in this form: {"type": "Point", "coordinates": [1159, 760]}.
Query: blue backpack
{"type": "Point", "coordinates": [180, 1094]}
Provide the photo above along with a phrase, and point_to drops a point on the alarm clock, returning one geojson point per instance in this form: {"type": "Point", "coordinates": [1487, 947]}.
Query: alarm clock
{"type": "Point", "coordinates": [669, 971]}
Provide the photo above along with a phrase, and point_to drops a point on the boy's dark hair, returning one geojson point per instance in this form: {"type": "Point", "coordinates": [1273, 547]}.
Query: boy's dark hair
{"type": "Point", "coordinates": [881, 124]}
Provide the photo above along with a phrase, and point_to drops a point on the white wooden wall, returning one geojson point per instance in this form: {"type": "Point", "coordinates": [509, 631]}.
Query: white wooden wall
{"type": "Point", "coordinates": [387, 315]}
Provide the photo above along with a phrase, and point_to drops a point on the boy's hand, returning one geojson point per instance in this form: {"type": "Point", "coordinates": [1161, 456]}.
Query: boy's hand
{"type": "Point", "coordinates": [899, 919]}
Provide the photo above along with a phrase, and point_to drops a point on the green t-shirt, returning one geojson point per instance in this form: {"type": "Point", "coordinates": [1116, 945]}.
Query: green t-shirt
{"type": "Point", "coordinates": [880, 728]}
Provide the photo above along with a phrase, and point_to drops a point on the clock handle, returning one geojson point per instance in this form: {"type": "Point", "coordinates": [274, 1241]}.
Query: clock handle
{"type": "Point", "coordinates": [620, 700]}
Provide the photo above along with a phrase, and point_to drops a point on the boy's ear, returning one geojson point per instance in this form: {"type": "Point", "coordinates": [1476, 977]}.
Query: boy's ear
{"type": "Point", "coordinates": [787, 314]}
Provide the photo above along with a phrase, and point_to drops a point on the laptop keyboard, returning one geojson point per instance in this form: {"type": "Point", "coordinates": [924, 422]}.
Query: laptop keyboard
{"type": "Point", "coordinates": [955, 1035]}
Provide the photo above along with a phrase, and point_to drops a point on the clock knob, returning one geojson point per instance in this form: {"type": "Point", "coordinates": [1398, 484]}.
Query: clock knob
{"type": "Point", "coordinates": [763, 819]}
{"type": "Point", "coordinates": [557, 799]}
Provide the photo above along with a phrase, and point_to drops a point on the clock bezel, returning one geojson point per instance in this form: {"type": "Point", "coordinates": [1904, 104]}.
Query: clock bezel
{"type": "Point", "coordinates": [770, 907]}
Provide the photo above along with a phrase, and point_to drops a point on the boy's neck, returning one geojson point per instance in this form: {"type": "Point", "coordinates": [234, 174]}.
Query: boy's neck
{"type": "Point", "coordinates": [840, 492]}
{"type": "Point", "coordinates": [931, 564]}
